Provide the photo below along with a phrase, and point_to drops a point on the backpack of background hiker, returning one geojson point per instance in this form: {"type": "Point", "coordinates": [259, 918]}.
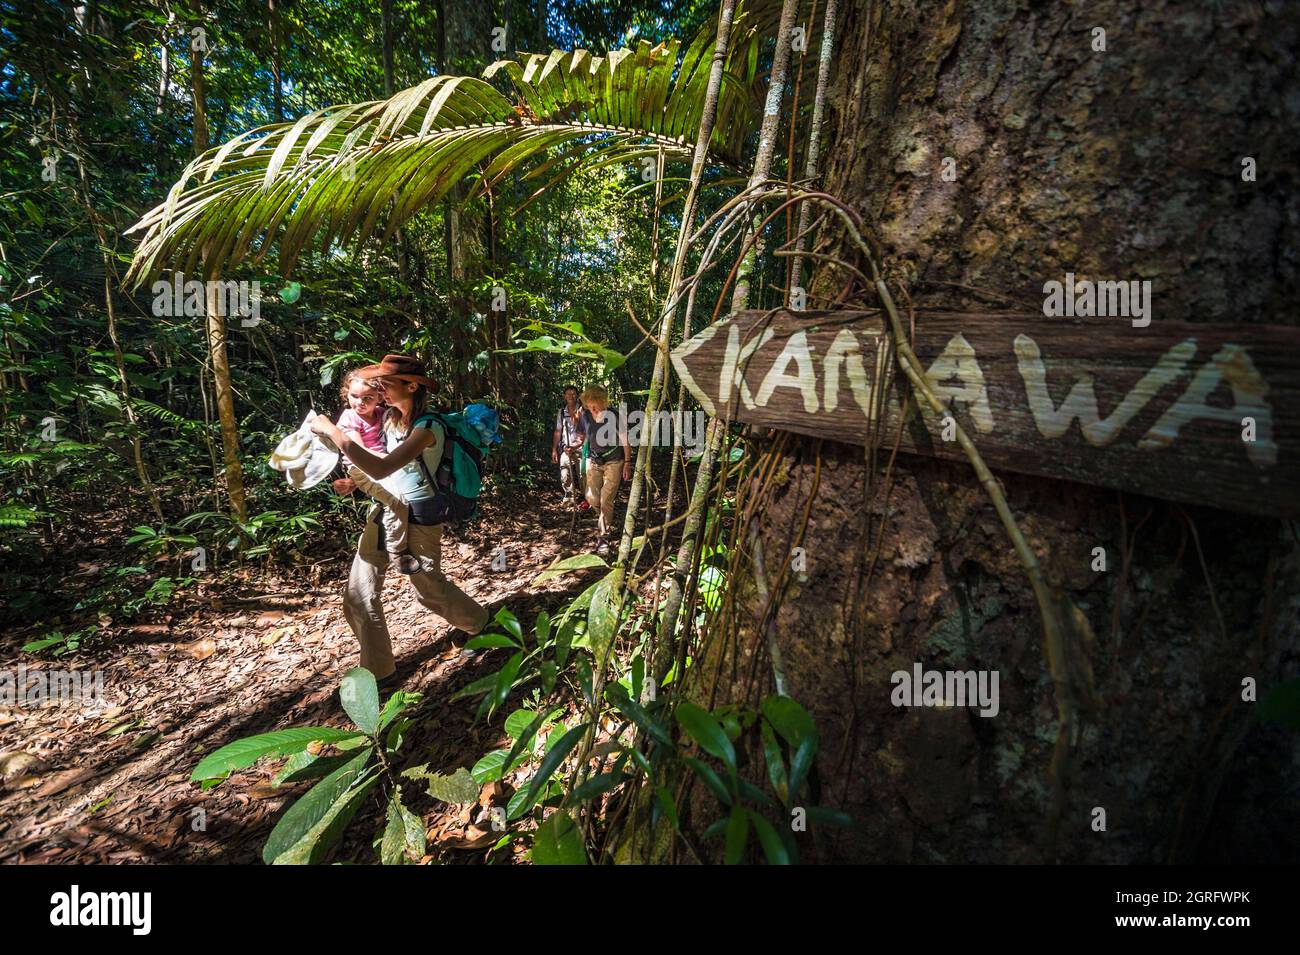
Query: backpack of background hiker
{"type": "Point", "coordinates": [456, 483]}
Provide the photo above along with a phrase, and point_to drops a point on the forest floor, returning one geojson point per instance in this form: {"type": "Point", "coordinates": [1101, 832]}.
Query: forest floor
{"type": "Point", "coordinates": [260, 651]}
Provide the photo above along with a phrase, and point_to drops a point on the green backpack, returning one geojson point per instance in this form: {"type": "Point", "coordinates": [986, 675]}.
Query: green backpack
{"type": "Point", "coordinates": [459, 477]}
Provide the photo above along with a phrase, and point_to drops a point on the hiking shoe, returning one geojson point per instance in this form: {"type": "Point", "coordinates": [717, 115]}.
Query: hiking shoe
{"type": "Point", "coordinates": [602, 547]}
{"type": "Point", "coordinates": [585, 505]}
{"type": "Point", "coordinates": [409, 564]}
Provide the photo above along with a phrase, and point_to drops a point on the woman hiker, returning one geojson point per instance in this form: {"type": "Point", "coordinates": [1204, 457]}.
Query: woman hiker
{"type": "Point", "coordinates": [609, 461]}
{"type": "Point", "coordinates": [408, 434]}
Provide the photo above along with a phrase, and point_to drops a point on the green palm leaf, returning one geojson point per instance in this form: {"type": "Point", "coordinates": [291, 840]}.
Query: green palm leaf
{"type": "Point", "coordinates": [347, 173]}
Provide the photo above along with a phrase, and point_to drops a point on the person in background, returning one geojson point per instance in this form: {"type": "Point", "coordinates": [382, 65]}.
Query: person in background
{"type": "Point", "coordinates": [566, 442]}
{"type": "Point", "coordinates": [609, 460]}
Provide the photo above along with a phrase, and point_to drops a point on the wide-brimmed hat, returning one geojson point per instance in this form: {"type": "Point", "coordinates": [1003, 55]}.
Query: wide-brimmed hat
{"type": "Point", "coordinates": [402, 367]}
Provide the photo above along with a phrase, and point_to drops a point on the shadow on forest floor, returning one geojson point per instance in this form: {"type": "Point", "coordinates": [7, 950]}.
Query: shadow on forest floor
{"type": "Point", "coordinates": [111, 783]}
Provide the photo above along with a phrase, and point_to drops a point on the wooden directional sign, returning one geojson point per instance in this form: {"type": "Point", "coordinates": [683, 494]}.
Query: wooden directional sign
{"type": "Point", "coordinates": [1203, 413]}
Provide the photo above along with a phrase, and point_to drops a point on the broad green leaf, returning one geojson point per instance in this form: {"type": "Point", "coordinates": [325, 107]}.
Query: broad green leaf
{"type": "Point", "coordinates": [245, 752]}
{"type": "Point", "coordinates": [519, 750]}
{"type": "Point", "coordinates": [38, 645]}
{"type": "Point", "coordinates": [491, 641]}
{"type": "Point", "coordinates": [710, 583]}
{"type": "Point", "coordinates": [313, 846]}
{"type": "Point", "coordinates": [751, 792]}
{"type": "Point", "coordinates": [520, 803]}
{"type": "Point", "coordinates": [737, 835]}
{"type": "Point", "coordinates": [789, 719]}
{"type": "Point", "coordinates": [303, 767]}
{"type": "Point", "coordinates": [775, 764]}
{"type": "Point", "coordinates": [506, 680]}
{"type": "Point", "coordinates": [459, 787]}
{"type": "Point", "coordinates": [295, 763]}
{"type": "Point", "coordinates": [558, 841]}
{"type": "Point", "coordinates": [563, 641]}
{"type": "Point", "coordinates": [579, 603]}
{"type": "Point", "coordinates": [510, 623]}
{"type": "Point", "coordinates": [403, 836]}
{"type": "Point", "coordinates": [359, 694]}
{"type": "Point", "coordinates": [602, 621]}
{"type": "Point", "coordinates": [638, 677]}
{"type": "Point", "coordinates": [633, 710]}
{"type": "Point", "coordinates": [717, 828]}
{"type": "Point", "coordinates": [550, 763]}
{"type": "Point", "coordinates": [481, 685]}
{"type": "Point", "coordinates": [705, 730]}
{"type": "Point", "coordinates": [518, 721]}
{"type": "Point", "coordinates": [711, 779]}
{"type": "Point", "coordinates": [490, 768]}
{"type": "Point", "coordinates": [396, 704]}
{"type": "Point", "coordinates": [304, 815]}
{"type": "Point", "coordinates": [583, 666]}
{"type": "Point", "coordinates": [773, 848]}
{"type": "Point", "coordinates": [796, 727]}
{"type": "Point", "coordinates": [568, 564]}
{"type": "Point", "coordinates": [596, 786]}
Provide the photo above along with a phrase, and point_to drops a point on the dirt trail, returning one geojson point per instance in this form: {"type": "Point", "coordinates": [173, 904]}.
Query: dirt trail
{"type": "Point", "coordinates": [112, 783]}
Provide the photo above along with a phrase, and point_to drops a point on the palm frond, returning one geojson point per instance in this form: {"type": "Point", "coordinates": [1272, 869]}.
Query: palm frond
{"type": "Point", "coordinates": [346, 173]}
{"type": "Point", "coordinates": [148, 409]}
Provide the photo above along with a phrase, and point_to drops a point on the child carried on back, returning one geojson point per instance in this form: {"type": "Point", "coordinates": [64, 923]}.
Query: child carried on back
{"type": "Point", "coordinates": [364, 417]}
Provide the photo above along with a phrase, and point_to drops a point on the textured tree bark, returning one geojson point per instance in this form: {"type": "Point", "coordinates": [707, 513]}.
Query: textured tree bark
{"type": "Point", "coordinates": [1123, 163]}
{"type": "Point", "coordinates": [215, 323]}
{"type": "Point", "coordinates": [216, 333]}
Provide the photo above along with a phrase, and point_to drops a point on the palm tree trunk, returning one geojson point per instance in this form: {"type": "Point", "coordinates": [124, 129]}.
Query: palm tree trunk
{"type": "Point", "coordinates": [216, 327]}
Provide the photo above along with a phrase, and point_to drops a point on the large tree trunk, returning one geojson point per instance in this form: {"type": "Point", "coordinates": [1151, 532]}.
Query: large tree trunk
{"type": "Point", "coordinates": [1121, 164]}
{"type": "Point", "coordinates": [216, 333]}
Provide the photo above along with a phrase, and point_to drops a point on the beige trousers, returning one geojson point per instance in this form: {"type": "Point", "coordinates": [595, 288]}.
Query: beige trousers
{"type": "Point", "coordinates": [602, 490]}
{"type": "Point", "coordinates": [570, 469]}
{"type": "Point", "coordinates": [363, 604]}
{"type": "Point", "coordinates": [396, 511]}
